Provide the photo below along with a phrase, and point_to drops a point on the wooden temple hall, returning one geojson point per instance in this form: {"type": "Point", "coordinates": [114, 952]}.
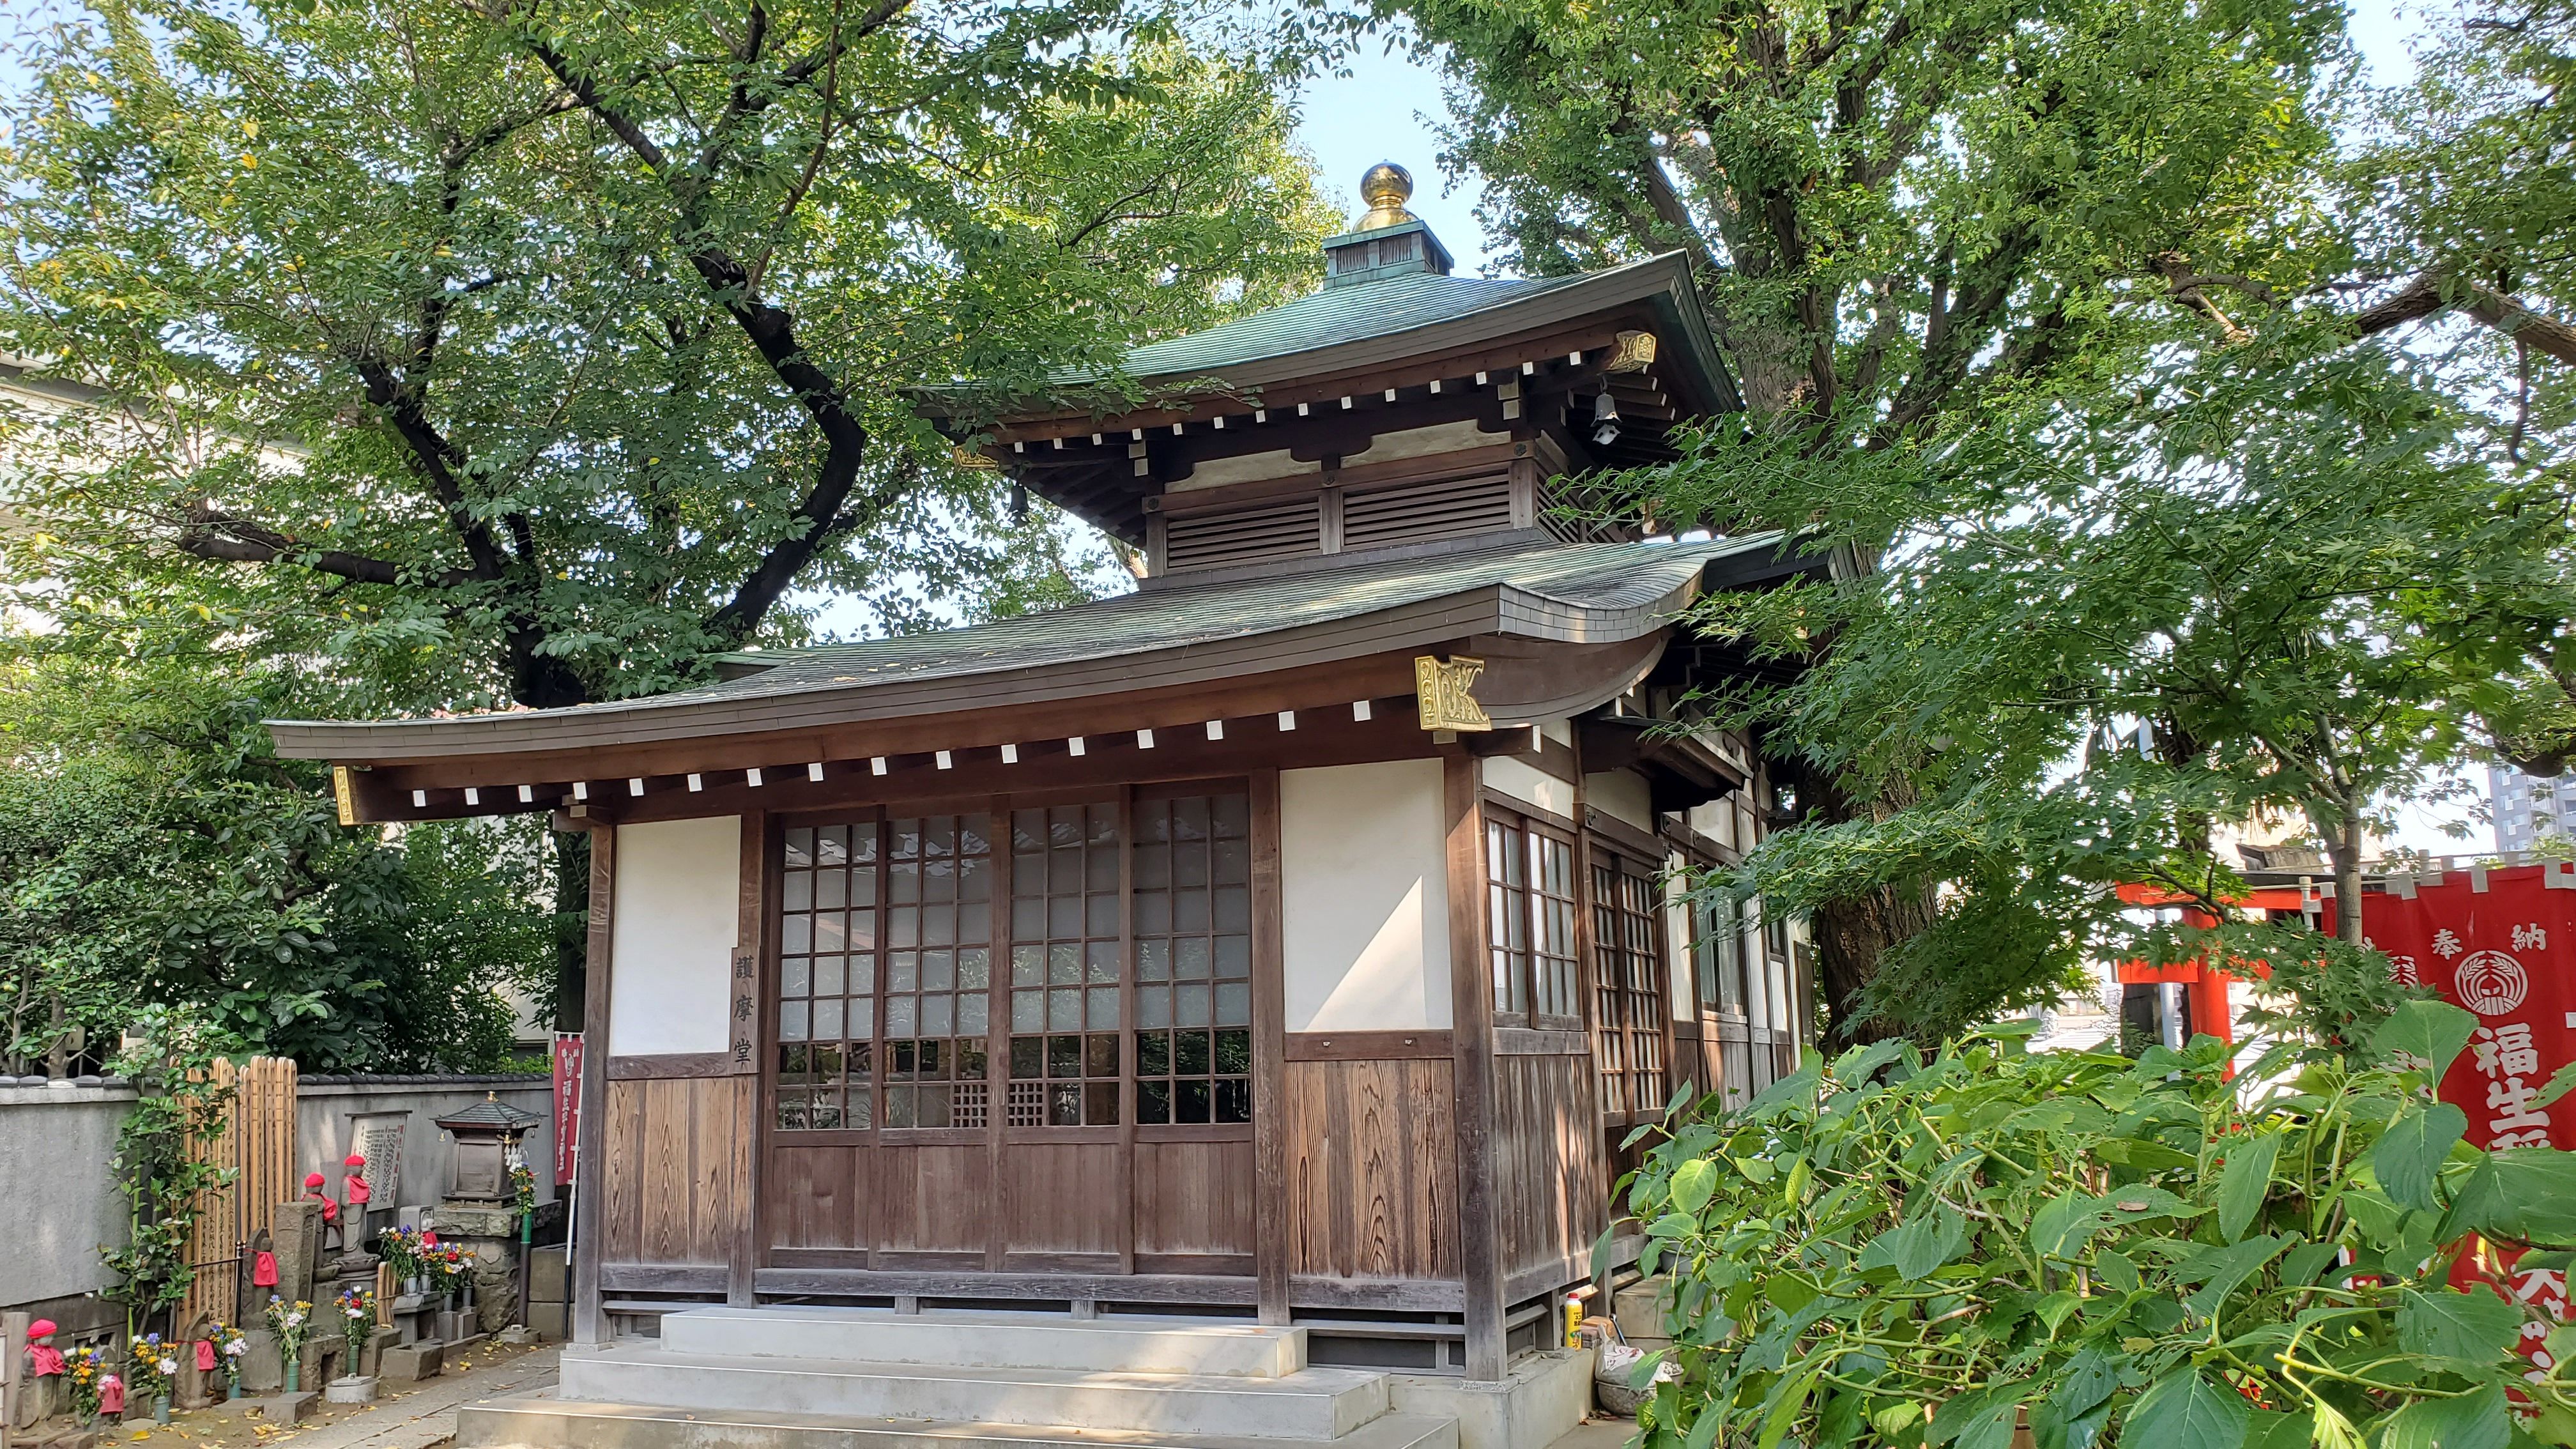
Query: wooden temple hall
{"type": "Point", "coordinates": [1290, 942]}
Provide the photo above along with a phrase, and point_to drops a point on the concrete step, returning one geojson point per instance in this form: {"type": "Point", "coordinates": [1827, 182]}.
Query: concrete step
{"type": "Point", "coordinates": [1313, 1403]}
{"type": "Point", "coordinates": [555, 1423]}
{"type": "Point", "coordinates": [1122, 1344]}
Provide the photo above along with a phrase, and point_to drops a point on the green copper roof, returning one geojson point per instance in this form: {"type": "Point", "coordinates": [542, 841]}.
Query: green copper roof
{"type": "Point", "coordinates": [1336, 315]}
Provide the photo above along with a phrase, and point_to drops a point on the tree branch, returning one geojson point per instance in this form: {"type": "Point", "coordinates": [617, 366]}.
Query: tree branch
{"type": "Point", "coordinates": [2433, 291]}
{"type": "Point", "coordinates": [209, 533]}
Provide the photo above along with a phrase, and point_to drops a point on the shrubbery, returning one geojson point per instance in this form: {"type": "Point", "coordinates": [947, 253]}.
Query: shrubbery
{"type": "Point", "coordinates": [1890, 1250]}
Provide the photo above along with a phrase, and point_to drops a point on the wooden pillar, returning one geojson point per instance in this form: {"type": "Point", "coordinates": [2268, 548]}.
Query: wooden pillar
{"type": "Point", "coordinates": [589, 1320]}
{"type": "Point", "coordinates": [1272, 1232]}
{"type": "Point", "coordinates": [1472, 1063]}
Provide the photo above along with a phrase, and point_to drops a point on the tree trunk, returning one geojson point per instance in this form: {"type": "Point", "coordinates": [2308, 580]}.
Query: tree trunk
{"type": "Point", "coordinates": [2345, 846]}
{"type": "Point", "coordinates": [1852, 935]}
{"type": "Point", "coordinates": [572, 928]}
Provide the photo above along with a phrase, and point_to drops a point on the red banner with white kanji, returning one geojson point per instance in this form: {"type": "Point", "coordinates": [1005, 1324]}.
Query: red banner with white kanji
{"type": "Point", "coordinates": [2501, 943]}
{"type": "Point", "coordinates": [567, 1098]}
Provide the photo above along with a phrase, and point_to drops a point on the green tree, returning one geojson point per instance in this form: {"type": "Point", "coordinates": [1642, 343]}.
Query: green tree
{"type": "Point", "coordinates": [154, 854]}
{"type": "Point", "coordinates": [1987, 256]}
{"type": "Point", "coordinates": [526, 354]}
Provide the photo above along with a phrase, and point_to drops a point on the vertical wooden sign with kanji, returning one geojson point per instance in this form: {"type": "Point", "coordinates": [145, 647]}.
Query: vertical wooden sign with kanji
{"type": "Point", "coordinates": [746, 1005]}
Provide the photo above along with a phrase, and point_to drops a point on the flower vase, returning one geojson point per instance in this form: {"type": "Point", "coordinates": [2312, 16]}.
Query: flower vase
{"type": "Point", "coordinates": [161, 1409]}
{"type": "Point", "coordinates": [232, 1389]}
{"type": "Point", "coordinates": [294, 1372]}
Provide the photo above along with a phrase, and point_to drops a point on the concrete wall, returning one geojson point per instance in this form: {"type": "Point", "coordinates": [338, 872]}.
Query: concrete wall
{"type": "Point", "coordinates": [56, 1142]}
{"type": "Point", "coordinates": [678, 917]}
{"type": "Point", "coordinates": [1364, 897]}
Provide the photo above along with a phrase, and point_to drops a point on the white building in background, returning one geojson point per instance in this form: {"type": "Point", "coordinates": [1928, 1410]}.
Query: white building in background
{"type": "Point", "coordinates": [2527, 808]}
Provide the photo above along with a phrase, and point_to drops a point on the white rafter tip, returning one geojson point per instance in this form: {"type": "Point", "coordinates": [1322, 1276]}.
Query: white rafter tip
{"type": "Point", "coordinates": [473, 796]}
{"type": "Point", "coordinates": [1346, 402]}
{"type": "Point", "coordinates": [527, 794]}
{"type": "Point", "coordinates": [1574, 359]}
{"type": "Point", "coordinates": [1220, 425]}
{"type": "Point", "coordinates": [1528, 368]}
{"type": "Point", "coordinates": [1059, 445]}
{"type": "Point", "coordinates": [1095, 439]}
{"type": "Point", "coordinates": [1136, 435]}
{"type": "Point", "coordinates": [876, 764]}
{"type": "Point", "coordinates": [1019, 447]}
{"type": "Point", "coordinates": [1176, 430]}
{"type": "Point", "coordinates": [420, 799]}
{"type": "Point", "coordinates": [1261, 415]}
{"type": "Point", "coordinates": [751, 777]}
{"type": "Point", "coordinates": [1390, 394]}
{"type": "Point", "coordinates": [635, 785]}
{"type": "Point", "coordinates": [697, 781]}
{"type": "Point", "coordinates": [942, 758]}
{"type": "Point", "coordinates": [1301, 410]}
{"type": "Point", "coordinates": [1435, 387]}
{"type": "Point", "coordinates": [814, 771]}
{"type": "Point", "coordinates": [1216, 729]}
{"type": "Point", "coordinates": [1287, 719]}
{"type": "Point", "coordinates": [1010, 754]}
{"type": "Point", "coordinates": [581, 789]}
{"type": "Point", "coordinates": [1144, 739]}
{"type": "Point", "coordinates": [1480, 379]}
{"type": "Point", "coordinates": [1359, 709]}
{"type": "Point", "coordinates": [1074, 745]}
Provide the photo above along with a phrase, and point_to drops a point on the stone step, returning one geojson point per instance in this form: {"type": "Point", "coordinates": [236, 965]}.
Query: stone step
{"type": "Point", "coordinates": [1123, 1344]}
{"type": "Point", "coordinates": [544, 1420]}
{"type": "Point", "coordinates": [1313, 1403]}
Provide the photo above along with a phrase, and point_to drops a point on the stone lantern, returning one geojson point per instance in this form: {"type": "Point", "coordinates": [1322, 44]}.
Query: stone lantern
{"type": "Point", "coordinates": [484, 1134]}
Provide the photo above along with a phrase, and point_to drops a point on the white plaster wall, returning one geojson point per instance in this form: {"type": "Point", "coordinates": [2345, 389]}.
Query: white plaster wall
{"type": "Point", "coordinates": [1621, 794]}
{"type": "Point", "coordinates": [1364, 897]}
{"type": "Point", "coordinates": [1529, 785]}
{"type": "Point", "coordinates": [678, 898]}
{"type": "Point", "coordinates": [1684, 995]}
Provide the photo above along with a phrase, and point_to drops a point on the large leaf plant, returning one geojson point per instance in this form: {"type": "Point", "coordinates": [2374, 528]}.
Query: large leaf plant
{"type": "Point", "coordinates": [1885, 1249]}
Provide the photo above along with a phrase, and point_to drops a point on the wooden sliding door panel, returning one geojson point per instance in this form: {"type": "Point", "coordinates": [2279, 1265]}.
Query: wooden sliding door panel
{"type": "Point", "coordinates": [676, 1180]}
{"type": "Point", "coordinates": [1194, 1200]}
{"type": "Point", "coordinates": [1063, 1198]}
{"type": "Point", "coordinates": [935, 1198]}
{"type": "Point", "coordinates": [811, 1197]}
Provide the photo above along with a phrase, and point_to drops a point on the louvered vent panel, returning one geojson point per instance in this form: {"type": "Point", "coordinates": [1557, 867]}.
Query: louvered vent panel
{"type": "Point", "coordinates": [1248, 535]}
{"type": "Point", "coordinates": [1413, 512]}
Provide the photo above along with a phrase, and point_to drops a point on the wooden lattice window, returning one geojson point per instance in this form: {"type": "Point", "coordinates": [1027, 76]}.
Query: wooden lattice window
{"type": "Point", "coordinates": [885, 974]}
{"type": "Point", "coordinates": [938, 970]}
{"type": "Point", "coordinates": [827, 943]}
{"type": "Point", "coordinates": [1628, 984]}
{"type": "Point", "coordinates": [1717, 951]}
{"type": "Point", "coordinates": [1065, 956]}
{"type": "Point", "coordinates": [1529, 901]}
{"type": "Point", "coordinates": [1193, 907]}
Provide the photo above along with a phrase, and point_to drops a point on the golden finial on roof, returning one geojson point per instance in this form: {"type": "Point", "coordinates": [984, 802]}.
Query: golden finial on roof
{"type": "Point", "coordinates": [1385, 188]}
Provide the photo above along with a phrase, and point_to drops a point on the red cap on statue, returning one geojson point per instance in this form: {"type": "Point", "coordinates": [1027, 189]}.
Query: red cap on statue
{"type": "Point", "coordinates": [43, 1358]}
{"type": "Point", "coordinates": [313, 1182]}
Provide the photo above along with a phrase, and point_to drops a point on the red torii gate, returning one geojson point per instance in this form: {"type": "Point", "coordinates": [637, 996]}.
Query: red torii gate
{"type": "Point", "coordinates": [2210, 1012]}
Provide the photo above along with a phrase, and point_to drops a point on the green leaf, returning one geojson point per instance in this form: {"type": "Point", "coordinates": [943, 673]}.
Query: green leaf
{"type": "Point", "coordinates": [2222, 1271]}
{"type": "Point", "coordinates": [2476, 1420]}
{"type": "Point", "coordinates": [1694, 1183]}
{"type": "Point", "coordinates": [2473, 1325]}
{"type": "Point", "coordinates": [1916, 1247]}
{"type": "Point", "coordinates": [2561, 1082]}
{"type": "Point", "coordinates": [2087, 1380]}
{"type": "Point", "coordinates": [2411, 1151]}
{"type": "Point", "coordinates": [1786, 1401]}
{"type": "Point", "coordinates": [2245, 1179]}
{"type": "Point", "coordinates": [2423, 1036]}
{"type": "Point", "coordinates": [2523, 1195]}
{"type": "Point", "coordinates": [2183, 1410]}
{"type": "Point", "coordinates": [2272, 1429]}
